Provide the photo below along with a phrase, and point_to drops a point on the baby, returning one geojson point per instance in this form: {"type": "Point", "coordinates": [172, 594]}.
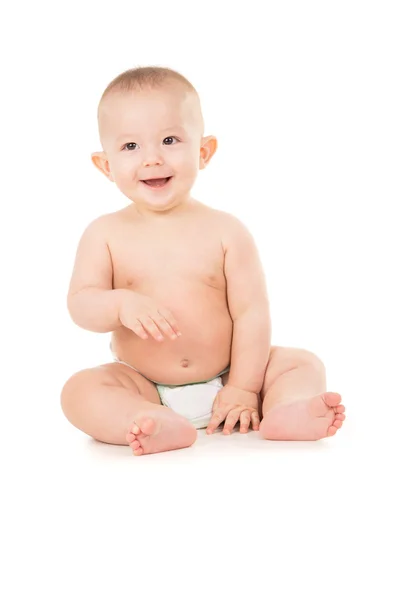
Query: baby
{"type": "Point", "coordinates": [181, 287]}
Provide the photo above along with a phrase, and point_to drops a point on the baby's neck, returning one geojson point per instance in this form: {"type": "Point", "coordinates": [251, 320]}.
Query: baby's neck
{"type": "Point", "coordinates": [175, 212]}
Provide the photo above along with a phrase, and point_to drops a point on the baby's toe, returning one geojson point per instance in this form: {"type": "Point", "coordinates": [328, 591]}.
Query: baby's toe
{"type": "Point", "coordinates": [339, 417]}
{"type": "Point", "coordinates": [339, 409]}
{"type": "Point", "coordinates": [135, 445]}
{"type": "Point", "coordinates": [332, 430]}
{"type": "Point", "coordinates": [130, 437]}
{"type": "Point", "coordinates": [148, 426]}
{"type": "Point", "coordinates": [331, 399]}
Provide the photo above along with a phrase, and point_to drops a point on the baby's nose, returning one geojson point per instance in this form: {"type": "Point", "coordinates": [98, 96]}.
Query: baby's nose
{"type": "Point", "coordinates": [152, 159]}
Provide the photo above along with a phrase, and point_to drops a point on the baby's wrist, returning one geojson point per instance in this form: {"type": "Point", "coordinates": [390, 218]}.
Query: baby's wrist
{"type": "Point", "coordinates": [242, 387]}
{"type": "Point", "coordinates": [120, 297]}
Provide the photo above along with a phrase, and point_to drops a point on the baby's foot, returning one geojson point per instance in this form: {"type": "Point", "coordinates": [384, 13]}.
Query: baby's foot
{"type": "Point", "coordinates": [159, 430]}
{"type": "Point", "coordinates": [309, 419]}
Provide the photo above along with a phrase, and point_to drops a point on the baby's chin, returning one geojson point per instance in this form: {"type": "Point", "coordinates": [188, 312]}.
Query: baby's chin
{"type": "Point", "coordinates": [159, 204]}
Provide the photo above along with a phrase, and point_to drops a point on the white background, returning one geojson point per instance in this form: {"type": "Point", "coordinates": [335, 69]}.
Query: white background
{"type": "Point", "coordinates": [303, 99]}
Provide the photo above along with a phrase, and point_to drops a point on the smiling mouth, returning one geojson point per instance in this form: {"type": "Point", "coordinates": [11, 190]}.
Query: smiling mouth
{"type": "Point", "coordinates": [156, 182]}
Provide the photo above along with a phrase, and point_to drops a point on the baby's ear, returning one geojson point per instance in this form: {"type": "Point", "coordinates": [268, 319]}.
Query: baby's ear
{"type": "Point", "coordinates": [207, 149]}
{"type": "Point", "coordinates": [100, 161]}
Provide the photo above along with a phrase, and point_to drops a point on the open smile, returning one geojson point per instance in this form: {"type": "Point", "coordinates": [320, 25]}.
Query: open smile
{"type": "Point", "coordinates": [159, 183]}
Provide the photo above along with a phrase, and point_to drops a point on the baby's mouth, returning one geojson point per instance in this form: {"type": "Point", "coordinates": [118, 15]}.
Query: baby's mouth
{"type": "Point", "coordinates": [156, 182]}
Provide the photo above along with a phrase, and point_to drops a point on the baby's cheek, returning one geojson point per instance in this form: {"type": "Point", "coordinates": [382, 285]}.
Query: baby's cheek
{"type": "Point", "coordinates": [190, 169]}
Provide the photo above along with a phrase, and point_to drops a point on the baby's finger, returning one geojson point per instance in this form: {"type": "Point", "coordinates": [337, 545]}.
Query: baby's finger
{"type": "Point", "coordinates": [164, 326]}
{"type": "Point", "coordinates": [231, 420]}
{"type": "Point", "coordinates": [166, 314]}
{"type": "Point", "coordinates": [217, 418]}
{"type": "Point", "coordinates": [244, 421]}
{"type": "Point", "coordinates": [139, 329]}
{"type": "Point", "coordinates": [255, 420]}
{"type": "Point", "coordinates": [151, 328]}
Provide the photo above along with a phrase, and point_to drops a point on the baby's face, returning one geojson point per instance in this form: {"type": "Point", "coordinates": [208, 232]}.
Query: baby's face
{"type": "Point", "coordinates": [153, 134]}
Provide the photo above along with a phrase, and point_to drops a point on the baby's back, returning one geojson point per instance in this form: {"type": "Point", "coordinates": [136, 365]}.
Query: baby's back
{"type": "Point", "coordinates": [179, 262]}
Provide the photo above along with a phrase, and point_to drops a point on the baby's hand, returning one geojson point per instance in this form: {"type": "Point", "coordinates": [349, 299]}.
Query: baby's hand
{"type": "Point", "coordinates": [143, 315]}
{"type": "Point", "coordinates": [233, 405]}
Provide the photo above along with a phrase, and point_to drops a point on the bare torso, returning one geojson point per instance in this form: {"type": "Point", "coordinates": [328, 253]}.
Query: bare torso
{"type": "Point", "coordinates": [179, 262]}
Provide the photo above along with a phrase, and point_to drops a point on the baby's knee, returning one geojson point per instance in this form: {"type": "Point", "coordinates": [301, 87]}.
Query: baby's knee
{"type": "Point", "coordinates": [73, 388]}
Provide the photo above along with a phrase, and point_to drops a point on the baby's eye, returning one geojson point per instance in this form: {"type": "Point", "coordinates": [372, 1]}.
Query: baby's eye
{"type": "Point", "coordinates": [130, 144]}
{"type": "Point", "coordinates": [167, 141]}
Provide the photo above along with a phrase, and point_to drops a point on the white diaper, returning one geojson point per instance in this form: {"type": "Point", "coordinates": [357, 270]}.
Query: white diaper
{"type": "Point", "coordinates": [194, 401]}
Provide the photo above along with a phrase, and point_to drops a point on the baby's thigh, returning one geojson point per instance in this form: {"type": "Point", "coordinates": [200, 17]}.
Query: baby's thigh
{"type": "Point", "coordinates": [111, 374]}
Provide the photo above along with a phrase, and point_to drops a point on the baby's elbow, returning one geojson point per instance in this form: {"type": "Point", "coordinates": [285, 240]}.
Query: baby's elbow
{"type": "Point", "coordinates": [75, 309]}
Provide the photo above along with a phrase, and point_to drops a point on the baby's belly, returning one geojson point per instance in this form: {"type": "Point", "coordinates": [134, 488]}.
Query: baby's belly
{"type": "Point", "coordinates": [202, 351]}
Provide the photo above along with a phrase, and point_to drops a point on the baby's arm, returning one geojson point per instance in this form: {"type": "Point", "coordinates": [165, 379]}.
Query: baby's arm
{"type": "Point", "coordinates": [92, 303]}
{"type": "Point", "coordinates": [249, 308]}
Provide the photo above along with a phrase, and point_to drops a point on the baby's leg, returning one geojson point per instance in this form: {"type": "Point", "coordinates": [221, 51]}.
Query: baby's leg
{"type": "Point", "coordinates": [115, 404]}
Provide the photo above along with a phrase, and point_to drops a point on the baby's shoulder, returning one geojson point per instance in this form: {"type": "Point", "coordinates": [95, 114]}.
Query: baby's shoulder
{"type": "Point", "coordinates": [221, 217]}
{"type": "Point", "coordinates": [107, 224]}
{"type": "Point", "coordinates": [230, 226]}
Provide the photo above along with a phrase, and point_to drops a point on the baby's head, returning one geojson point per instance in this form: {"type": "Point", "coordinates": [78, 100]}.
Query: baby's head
{"type": "Point", "coordinates": [151, 127]}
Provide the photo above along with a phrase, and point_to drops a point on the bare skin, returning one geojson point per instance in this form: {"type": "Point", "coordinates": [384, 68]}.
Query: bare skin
{"type": "Point", "coordinates": [156, 432]}
{"type": "Point", "coordinates": [295, 403]}
{"type": "Point", "coordinates": [108, 401]}
{"type": "Point", "coordinates": [192, 285]}
{"type": "Point", "coordinates": [181, 266]}
{"type": "Point", "coordinates": [198, 301]}
{"type": "Point", "coordinates": [307, 419]}
{"type": "Point", "coordinates": [198, 265]}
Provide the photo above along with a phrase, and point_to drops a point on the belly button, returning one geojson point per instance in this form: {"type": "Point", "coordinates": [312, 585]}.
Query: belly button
{"type": "Point", "coordinates": [184, 363]}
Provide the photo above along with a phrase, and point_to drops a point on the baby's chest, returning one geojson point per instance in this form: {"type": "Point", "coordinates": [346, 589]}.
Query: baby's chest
{"type": "Point", "coordinates": [188, 263]}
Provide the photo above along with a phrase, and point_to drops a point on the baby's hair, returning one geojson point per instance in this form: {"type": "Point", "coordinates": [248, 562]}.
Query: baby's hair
{"type": "Point", "coordinates": [145, 78]}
